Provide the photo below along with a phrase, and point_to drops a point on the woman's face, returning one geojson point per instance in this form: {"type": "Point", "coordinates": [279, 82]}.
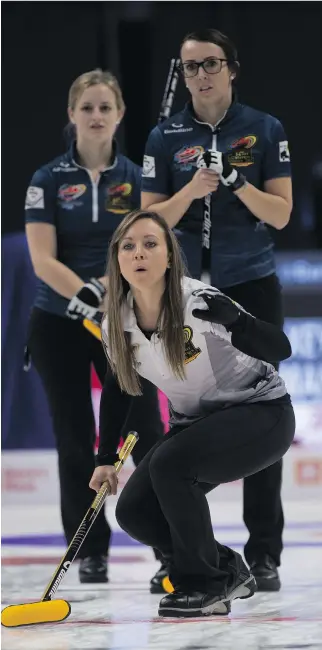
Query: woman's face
{"type": "Point", "coordinates": [143, 254]}
{"type": "Point", "coordinates": [205, 87]}
{"type": "Point", "coordinates": [96, 115]}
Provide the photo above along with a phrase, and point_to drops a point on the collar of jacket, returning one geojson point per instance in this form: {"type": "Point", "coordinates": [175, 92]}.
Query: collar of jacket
{"type": "Point", "coordinates": [73, 156]}
{"type": "Point", "coordinates": [234, 108]}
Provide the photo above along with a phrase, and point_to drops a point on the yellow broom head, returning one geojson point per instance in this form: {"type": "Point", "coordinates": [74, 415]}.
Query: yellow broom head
{"type": "Point", "coordinates": [167, 586]}
{"type": "Point", "coordinates": [44, 611]}
{"type": "Point", "coordinates": [92, 328]}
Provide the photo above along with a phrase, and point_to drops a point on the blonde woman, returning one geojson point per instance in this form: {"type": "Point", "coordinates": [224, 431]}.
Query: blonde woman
{"type": "Point", "coordinates": [73, 205]}
{"type": "Point", "coordinates": [231, 414]}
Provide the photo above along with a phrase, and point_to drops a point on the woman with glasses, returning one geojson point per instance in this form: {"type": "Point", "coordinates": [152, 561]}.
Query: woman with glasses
{"type": "Point", "coordinates": [219, 148]}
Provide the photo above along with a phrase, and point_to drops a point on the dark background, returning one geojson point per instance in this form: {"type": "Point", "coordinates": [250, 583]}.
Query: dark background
{"type": "Point", "coordinates": [46, 45]}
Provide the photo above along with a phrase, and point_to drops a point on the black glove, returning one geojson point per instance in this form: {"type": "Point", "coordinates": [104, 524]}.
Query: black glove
{"type": "Point", "coordinates": [86, 301]}
{"type": "Point", "coordinates": [218, 162]}
{"type": "Point", "coordinates": [221, 310]}
{"type": "Point", "coordinates": [250, 335]}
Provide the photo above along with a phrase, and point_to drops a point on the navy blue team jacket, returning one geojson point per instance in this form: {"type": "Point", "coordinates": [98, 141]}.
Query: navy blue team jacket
{"type": "Point", "coordinates": [242, 248]}
{"type": "Point", "coordinates": [85, 214]}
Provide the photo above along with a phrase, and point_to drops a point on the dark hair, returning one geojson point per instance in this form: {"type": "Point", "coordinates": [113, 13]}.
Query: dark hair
{"type": "Point", "coordinates": [216, 37]}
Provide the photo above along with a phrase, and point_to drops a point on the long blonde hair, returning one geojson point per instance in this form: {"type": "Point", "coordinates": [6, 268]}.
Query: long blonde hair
{"type": "Point", "coordinates": [119, 349]}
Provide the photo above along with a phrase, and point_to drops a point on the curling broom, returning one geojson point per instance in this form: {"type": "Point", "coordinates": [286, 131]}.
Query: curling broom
{"type": "Point", "coordinates": [93, 328]}
{"type": "Point", "coordinates": [53, 611]}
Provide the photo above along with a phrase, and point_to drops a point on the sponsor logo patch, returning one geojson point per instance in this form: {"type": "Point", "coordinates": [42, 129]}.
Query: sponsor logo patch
{"type": "Point", "coordinates": [118, 198]}
{"type": "Point", "coordinates": [186, 158]}
{"type": "Point", "coordinates": [68, 195]}
{"type": "Point", "coordinates": [178, 129]}
{"type": "Point", "coordinates": [190, 350]}
{"type": "Point", "coordinates": [34, 198]}
{"type": "Point", "coordinates": [240, 154]}
{"type": "Point", "coordinates": [71, 192]}
{"type": "Point", "coordinates": [148, 167]}
{"type": "Point", "coordinates": [284, 152]}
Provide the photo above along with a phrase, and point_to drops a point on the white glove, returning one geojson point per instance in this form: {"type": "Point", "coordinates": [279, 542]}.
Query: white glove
{"type": "Point", "coordinates": [218, 162]}
{"type": "Point", "coordinates": [87, 300]}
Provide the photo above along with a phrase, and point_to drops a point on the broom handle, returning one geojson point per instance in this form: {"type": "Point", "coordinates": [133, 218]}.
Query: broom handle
{"type": "Point", "coordinates": [88, 521]}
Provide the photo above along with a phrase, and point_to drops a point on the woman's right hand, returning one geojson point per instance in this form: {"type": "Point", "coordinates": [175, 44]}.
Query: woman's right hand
{"type": "Point", "coordinates": [204, 182]}
{"type": "Point", "coordinates": [104, 473]}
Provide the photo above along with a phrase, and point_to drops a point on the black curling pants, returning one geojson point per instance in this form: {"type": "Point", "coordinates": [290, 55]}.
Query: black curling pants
{"type": "Point", "coordinates": [263, 511]}
{"type": "Point", "coordinates": [164, 502]}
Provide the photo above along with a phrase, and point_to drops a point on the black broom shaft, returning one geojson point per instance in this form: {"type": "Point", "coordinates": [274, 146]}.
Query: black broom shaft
{"type": "Point", "coordinates": [87, 522]}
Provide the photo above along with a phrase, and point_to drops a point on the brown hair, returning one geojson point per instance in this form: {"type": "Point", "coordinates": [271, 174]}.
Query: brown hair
{"type": "Point", "coordinates": [208, 35]}
{"type": "Point", "coordinates": [94, 78]}
{"type": "Point", "coordinates": [170, 325]}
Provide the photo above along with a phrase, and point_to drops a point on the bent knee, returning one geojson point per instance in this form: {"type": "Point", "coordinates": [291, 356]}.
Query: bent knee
{"type": "Point", "coordinates": [123, 512]}
{"type": "Point", "coordinates": [128, 511]}
{"type": "Point", "coordinates": [162, 463]}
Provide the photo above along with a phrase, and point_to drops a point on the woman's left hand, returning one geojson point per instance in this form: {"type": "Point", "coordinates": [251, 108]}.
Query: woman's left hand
{"type": "Point", "coordinates": [221, 310]}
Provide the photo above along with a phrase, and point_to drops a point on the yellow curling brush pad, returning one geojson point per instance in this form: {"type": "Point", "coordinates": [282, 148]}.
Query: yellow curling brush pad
{"type": "Point", "coordinates": [92, 328]}
{"type": "Point", "coordinates": [45, 611]}
{"type": "Point", "coordinates": [167, 586]}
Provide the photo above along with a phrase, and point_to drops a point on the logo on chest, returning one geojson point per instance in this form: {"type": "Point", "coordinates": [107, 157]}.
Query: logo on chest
{"type": "Point", "coordinates": [240, 154]}
{"type": "Point", "coordinates": [190, 350]}
{"type": "Point", "coordinates": [68, 196]}
{"type": "Point", "coordinates": [119, 198]}
{"type": "Point", "coordinates": [185, 159]}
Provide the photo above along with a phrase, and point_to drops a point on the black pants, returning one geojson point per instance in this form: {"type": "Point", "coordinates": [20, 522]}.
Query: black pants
{"type": "Point", "coordinates": [164, 504]}
{"type": "Point", "coordinates": [263, 511]}
{"type": "Point", "coordinates": [62, 352]}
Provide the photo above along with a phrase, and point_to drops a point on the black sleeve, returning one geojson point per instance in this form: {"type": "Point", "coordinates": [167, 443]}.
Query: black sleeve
{"type": "Point", "coordinates": [259, 339]}
{"type": "Point", "coordinates": [114, 409]}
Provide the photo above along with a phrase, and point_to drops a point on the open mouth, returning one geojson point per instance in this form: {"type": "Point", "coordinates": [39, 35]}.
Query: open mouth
{"type": "Point", "coordinates": [205, 89]}
{"type": "Point", "coordinates": [97, 127]}
{"type": "Point", "coordinates": [140, 269]}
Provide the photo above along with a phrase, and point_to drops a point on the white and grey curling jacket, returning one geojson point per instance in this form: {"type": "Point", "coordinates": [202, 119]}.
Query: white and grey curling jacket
{"type": "Point", "coordinates": [217, 373]}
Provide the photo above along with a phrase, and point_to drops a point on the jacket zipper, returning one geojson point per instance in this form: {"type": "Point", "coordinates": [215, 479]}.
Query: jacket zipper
{"type": "Point", "coordinates": [95, 199]}
{"type": "Point", "coordinates": [213, 129]}
{"type": "Point", "coordinates": [95, 207]}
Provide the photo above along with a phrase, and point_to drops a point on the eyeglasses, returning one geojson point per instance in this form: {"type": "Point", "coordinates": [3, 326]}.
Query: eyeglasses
{"type": "Point", "coordinates": [210, 66]}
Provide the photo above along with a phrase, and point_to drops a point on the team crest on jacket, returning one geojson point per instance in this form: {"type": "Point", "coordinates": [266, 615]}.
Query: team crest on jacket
{"type": "Point", "coordinates": [68, 195]}
{"type": "Point", "coordinates": [185, 159]}
{"type": "Point", "coordinates": [119, 198]}
{"type": "Point", "coordinates": [240, 154]}
{"type": "Point", "coordinates": [190, 350]}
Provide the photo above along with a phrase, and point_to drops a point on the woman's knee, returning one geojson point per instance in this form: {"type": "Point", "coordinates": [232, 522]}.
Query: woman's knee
{"type": "Point", "coordinates": [121, 511]}
{"type": "Point", "coordinates": [163, 464]}
{"type": "Point", "coordinates": [127, 511]}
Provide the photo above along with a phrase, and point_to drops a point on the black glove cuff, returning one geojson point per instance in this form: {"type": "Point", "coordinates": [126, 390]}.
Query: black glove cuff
{"type": "Point", "coordinates": [106, 459]}
{"type": "Point", "coordinates": [239, 182]}
{"type": "Point", "coordinates": [98, 286]}
{"type": "Point", "coordinates": [238, 324]}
